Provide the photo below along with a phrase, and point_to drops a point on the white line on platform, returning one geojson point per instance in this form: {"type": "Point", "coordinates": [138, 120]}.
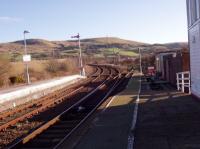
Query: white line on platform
{"type": "Point", "coordinates": [114, 98]}
{"type": "Point", "coordinates": [131, 137]}
{"type": "Point", "coordinates": [108, 104]}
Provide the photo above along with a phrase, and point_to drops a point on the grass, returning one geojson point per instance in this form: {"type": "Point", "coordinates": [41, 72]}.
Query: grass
{"type": "Point", "coordinates": [102, 52]}
{"type": "Point", "coordinates": [37, 69]}
{"type": "Point", "coordinates": [111, 51]}
{"type": "Point", "coordinates": [128, 53]}
{"type": "Point", "coordinates": [99, 53]}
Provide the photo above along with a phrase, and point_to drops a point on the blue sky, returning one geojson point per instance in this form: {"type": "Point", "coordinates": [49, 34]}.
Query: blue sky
{"type": "Point", "coordinates": [151, 21]}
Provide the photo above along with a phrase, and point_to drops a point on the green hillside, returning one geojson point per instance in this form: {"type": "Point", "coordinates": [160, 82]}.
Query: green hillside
{"type": "Point", "coordinates": [96, 47]}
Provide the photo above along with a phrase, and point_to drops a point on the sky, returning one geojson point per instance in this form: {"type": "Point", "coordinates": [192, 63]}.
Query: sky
{"type": "Point", "coordinates": [150, 21]}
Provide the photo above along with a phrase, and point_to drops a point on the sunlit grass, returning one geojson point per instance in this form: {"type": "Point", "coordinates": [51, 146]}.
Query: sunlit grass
{"type": "Point", "coordinates": [114, 51]}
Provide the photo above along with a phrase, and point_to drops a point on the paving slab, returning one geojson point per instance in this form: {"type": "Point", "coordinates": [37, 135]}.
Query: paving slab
{"type": "Point", "coordinates": [167, 119]}
{"type": "Point", "coordinates": [110, 129]}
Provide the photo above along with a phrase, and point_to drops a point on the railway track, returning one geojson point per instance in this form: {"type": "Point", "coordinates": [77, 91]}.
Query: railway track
{"type": "Point", "coordinates": [9, 117]}
{"type": "Point", "coordinates": [11, 121]}
{"type": "Point", "coordinates": [11, 114]}
{"type": "Point", "coordinates": [95, 72]}
{"type": "Point", "coordinates": [41, 123]}
{"type": "Point", "coordinates": [54, 132]}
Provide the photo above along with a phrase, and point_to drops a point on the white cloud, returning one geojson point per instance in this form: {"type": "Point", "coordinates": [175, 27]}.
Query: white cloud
{"type": "Point", "coordinates": [10, 19]}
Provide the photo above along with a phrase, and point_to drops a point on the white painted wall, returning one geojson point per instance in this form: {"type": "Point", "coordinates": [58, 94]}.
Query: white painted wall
{"type": "Point", "coordinates": [194, 42]}
{"type": "Point", "coordinates": [193, 11]}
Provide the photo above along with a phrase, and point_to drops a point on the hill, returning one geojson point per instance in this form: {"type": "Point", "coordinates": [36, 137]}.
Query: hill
{"type": "Point", "coordinates": [97, 47]}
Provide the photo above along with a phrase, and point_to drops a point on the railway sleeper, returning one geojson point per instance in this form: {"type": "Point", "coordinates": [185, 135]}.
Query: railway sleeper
{"type": "Point", "coordinates": [54, 135]}
{"type": "Point", "coordinates": [46, 140]}
{"type": "Point", "coordinates": [67, 126]}
{"type": "Point", "coordinates": [63, 122]}
{"type": "Point", "coordinates": [78, 118]}
{"type": "Point", "coordinates": [35, 148]}
{"type": "Point", "coordinates": [50, 139]}
{"type": "Point", "coordinates": [2, 122]}
{"type": "Point", "coordinates": [57, 131]}
{"type": "Point", "coordinates": [43, 143]}
{"type": "Point", "coordinates": [73, 117]}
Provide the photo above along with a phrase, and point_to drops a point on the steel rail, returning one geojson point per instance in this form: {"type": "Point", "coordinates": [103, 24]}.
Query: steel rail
{"type": "Point", "coordinates": [54, 120]}
{"type": "Point", "coordinates": [27, 125]}
{"type": "Point", "coordinates": [86, 117]}
{"type": "Point", "coordinates": [43, 106]}
{"type": "Point", "coordinates": [25, 106]}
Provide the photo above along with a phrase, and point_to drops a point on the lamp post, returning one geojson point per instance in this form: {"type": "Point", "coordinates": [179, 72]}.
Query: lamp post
{"type": "Point", "coordinates": [26, 62]}
{"type": "Point", "coordinates": [140, 61]}
{"type": "Point", "coordinates": [82, 70]}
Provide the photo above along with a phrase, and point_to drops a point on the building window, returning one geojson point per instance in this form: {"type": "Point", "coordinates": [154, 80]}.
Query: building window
{"type": "Point", "coordinates": [198, 9]}
{"type": "Point", "coordinates": [193, 7]}
{"type": "Point", "coordinates": [194, 11]}
{"type": "Point", "coordinates": [189, 12]}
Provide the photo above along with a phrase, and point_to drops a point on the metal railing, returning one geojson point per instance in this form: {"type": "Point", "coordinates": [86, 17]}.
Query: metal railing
{"type": "Point", "coordinates": [183, 81]}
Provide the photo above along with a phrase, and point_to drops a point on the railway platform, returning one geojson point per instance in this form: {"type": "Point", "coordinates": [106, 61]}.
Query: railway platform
{"type": "Point", "coordinates": [167, 119]}
{"type": "Point", "coordinates": [18, 95]}
{"type": "Point", "coordinates": [110, 126]}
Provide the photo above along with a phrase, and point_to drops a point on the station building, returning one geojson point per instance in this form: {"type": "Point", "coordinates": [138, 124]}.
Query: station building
{"type": "Point", "coordinates": [169, 63]}
{"type": "Point", "coordinates": [193, 14]}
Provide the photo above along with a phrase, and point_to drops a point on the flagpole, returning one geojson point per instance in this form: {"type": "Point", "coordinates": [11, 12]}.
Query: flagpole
{"type": "Point", "coordinates": [80, 52]}
{"type": "Point", "coordinates": [140, 56]}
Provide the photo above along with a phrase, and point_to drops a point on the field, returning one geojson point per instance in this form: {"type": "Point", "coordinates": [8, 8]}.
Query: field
{"type": "Point", "coordinates": [121, 52]}
{"type": "Point", "coordinates": [96, 47]}
{"type": "Point", "coordinates": [38, 70]}
{"type": "Point", "coordinates": [59, 58]}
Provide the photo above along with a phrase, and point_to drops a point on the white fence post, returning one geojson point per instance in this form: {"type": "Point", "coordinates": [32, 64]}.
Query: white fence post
{"type": "Point", "coordinates": [189, 84]}
{"type": "Point", "coordinates": [182, 83]}
{"type": "Point", "coordinates": [183, 80]}
{"type": "Point", "coordinates": [177, 81]}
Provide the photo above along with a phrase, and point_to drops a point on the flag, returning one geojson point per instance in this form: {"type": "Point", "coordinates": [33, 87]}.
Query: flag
{"type": "Point", "coordinates": [77, 36]}
{"type": "Point", "coordinates": [26, 32]}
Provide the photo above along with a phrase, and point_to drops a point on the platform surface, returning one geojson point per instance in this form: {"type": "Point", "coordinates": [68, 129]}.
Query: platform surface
{"type": "Point", "coordinates": [38, 83]}
{"type": "Point", "coordinates": [167, 119]}
{"type": "Point", "coordinates": [111, 128]}
{"type": "Point", "coordinates": [21, 94]}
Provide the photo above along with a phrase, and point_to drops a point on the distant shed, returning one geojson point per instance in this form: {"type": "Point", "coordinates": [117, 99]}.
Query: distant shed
{"type": "Point", "coordinates": [160, 67]}
{"type": "Point", "coordinates": [171, 63]}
